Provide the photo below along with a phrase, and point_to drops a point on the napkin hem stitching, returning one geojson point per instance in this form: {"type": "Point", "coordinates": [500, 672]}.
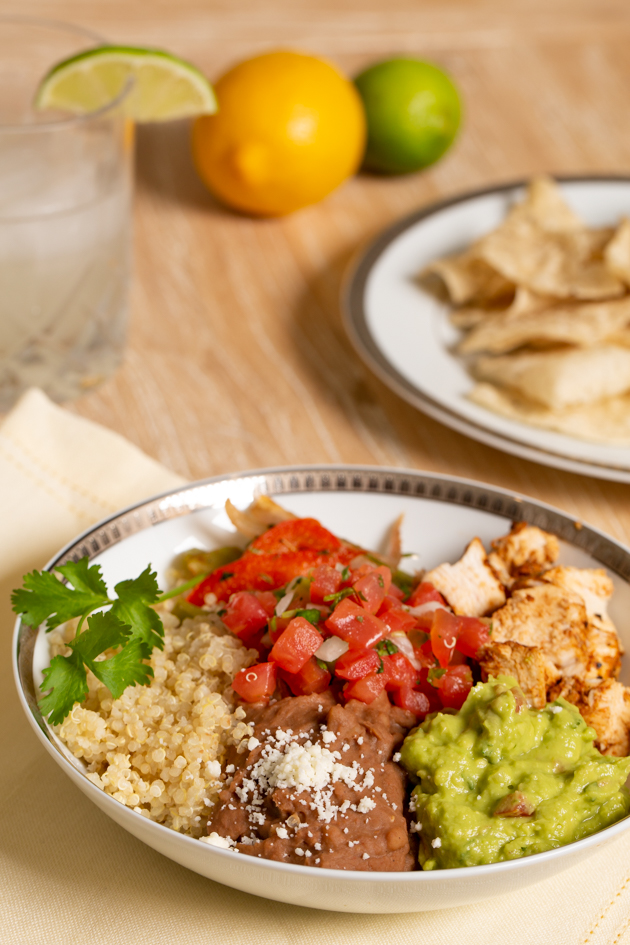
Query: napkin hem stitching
{"type": "Point", "coordinates": [606, 910]}
{"type": "Point", "coordinates": [621, 932]}
{"type": "Point", "coordinates": [40, 483]}
{"type": "Point", "coordinates": [63, 480]}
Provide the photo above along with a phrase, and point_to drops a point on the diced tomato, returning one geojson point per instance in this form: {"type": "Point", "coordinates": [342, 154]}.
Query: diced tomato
{"type": "Point", "coordinates": [256, 683]}
{"type": "Point", "coordinates": [398, 671]}
{"type": "Point", "coordinates": [268, 600]}
{"type": "Point", "coordinates": [423, 593]}
{"type": "Point", "coordinates": [425, 621]}
{"type": "Point", "coordinates": [454, 686]}
{"type": "Point", "coordinates": [355, 625]}
{"type": "Point", "coordinates": [412, 700]}
{"type": "Point", "coordinates": [432, 694]}
{"type": "Point", "coordinates": [393, 615]}
{"type": "Point", "coordinates": [472, 635]}
{"type": "Point", "coordinates": [355, 664]}
{"type": "Point", "coordinates": [361, 571]}
{"type": "Point", "coordinates": [277, 626]}
{"type": "Point", "coordinates": [424, 654]}
{"type": "Point", "coordinates": [326, 581]}
{"type": "Point", "coordinates": [310, 678]}
{"type": "Point", "coordinates": [444, 631]}
{"type": "Point", "coordinates": [245, 616]}
{"type": "Point", "coordinates": [395, 591]}
{"type": "Point", "coordinates": [457, 657]}
{"type": "Point", "coordinates": [372, 589]}
{"type": "Point", "coordinates": [295, 646]}
{"type": "Point", "coordinates": [417, 637]}
{"type": "Point", "coordinates": [366, 689]}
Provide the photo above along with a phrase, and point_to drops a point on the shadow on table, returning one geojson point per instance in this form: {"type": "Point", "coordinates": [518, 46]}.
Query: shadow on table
{"type": "Point", "coordinates": [165, 166]}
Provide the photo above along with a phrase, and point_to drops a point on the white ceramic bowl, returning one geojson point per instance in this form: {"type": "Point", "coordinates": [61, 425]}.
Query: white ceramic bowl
{"type": "Point", "coordinates": [441, 515]}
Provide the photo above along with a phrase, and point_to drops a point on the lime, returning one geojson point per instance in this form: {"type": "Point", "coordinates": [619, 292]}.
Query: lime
{"type": "Point", "coordinates": [164, 86]}
{"type": "Point", "coordinates": [413, 112]}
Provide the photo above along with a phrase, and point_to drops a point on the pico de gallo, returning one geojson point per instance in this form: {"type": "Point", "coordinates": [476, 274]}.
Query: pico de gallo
{"type": "Point", "coordinates": [325, 614]}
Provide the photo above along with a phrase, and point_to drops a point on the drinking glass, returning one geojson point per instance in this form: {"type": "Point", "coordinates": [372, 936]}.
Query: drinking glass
{"type": "Point", "coordinates": [65, 221]}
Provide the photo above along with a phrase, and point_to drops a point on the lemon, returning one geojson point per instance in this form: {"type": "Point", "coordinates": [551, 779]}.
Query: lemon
{"type": "Point", "coordinates": [413, 113]}
{"type": "Point", "coordinates": [164, 86]}
{"type": "Point", "coordinates": [290, 128]}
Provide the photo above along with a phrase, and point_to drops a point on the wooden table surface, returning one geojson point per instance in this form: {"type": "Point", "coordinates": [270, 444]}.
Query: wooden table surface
{"type": "Point", "coordinates": [237, 357]}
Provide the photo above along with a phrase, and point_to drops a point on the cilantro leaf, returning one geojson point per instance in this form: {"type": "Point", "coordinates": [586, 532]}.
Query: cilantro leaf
{"type": "Point", "coordinates": [133, 608]}
{"type": "Point", "coordinates": [435, 673]}
{"type": "Point", "coordinates": [131, 627]}
{"type": "Point", "coordinates": [84, 578]}
{"type": "Point", "coordinates": [386, 648]}
{"type": "Point", "coordinates": [311, 614]}
{"type": "Point", "coordinates": [104, 632]}
{"type": "Point", "coordinates": [404, 582]}
{"type": "Point", "coordinates": [67, 681]}
{"type": "Point", "coordinates": [335, 599]}
{"type": "Point", "coordinates": [124, 669]}
{"type": "Point", "coordinates": [44, 597]}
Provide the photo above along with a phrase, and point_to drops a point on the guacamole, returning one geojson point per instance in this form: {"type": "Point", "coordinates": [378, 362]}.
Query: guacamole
{"type": "Point", "coordinates": [499, 780]}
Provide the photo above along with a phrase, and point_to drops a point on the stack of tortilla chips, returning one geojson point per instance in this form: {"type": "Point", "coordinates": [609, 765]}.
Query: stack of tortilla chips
{"type": "Point", "coordinates": [545, 304]}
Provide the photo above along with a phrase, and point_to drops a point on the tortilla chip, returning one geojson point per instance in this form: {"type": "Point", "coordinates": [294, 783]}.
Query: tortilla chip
{"type": "Point", "coordinates": [621, 338]}
{"type": "Point", "coordinates": [545, 204]}
{"type": "Point", "coordinates": [468, 278]}
{"type": "Point", "coordinates": [559, 264]}
{"type": "Point", "coordinates": [584, 324]}
{"type": "Point", "coordinates": [559, 379]}
{"type": "Point", "coordinates": [469, 316]}
{"type": "Point", "coordinates": [606, 422]}
{"type": "Point", "coordinates": [525, 301]}
{"type": "Point", "coordinates": [617, 252]}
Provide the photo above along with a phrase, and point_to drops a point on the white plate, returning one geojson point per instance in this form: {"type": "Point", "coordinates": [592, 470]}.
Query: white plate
{"type": "Point", "coordinates": [441, 515]}
{"type": "Point", "coordinates": [405, 336]}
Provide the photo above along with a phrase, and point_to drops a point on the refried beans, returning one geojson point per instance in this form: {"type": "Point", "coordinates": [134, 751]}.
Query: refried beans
{"type": "Point", "coordinates": [315, 785]}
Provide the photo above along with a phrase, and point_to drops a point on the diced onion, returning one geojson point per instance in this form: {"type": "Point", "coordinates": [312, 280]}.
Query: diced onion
{"type": "Point", "coordinates": [427, 608]}
{"type": "Point", "coordinates": [283, 603]}
{"type": "Point", "coordinates": [402, 641]}
{"type": "Point", "coordinates": [331, 649]}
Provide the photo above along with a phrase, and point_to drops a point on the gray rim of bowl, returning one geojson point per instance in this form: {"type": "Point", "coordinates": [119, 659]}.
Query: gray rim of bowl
{"type": "Point", "coordinates": [287, 480]}
{"type": "Point", "coordinates": [355, 323]}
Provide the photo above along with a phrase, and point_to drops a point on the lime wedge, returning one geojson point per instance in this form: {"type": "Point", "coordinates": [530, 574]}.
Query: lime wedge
{"type": "Point", "coordinates": [164, 86]}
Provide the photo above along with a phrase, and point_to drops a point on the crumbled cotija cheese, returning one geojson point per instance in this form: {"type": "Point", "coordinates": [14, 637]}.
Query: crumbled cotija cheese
{"type": "Point", "coordinates": [215, 840]}
{"type": "Point", "coordinates": [366, 804]}
{"type": "Point", "coordinates": [287, 762]}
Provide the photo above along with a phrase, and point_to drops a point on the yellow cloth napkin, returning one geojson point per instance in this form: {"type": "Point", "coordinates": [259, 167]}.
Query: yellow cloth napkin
{"type": "Point", "coordinates": [70, 875]}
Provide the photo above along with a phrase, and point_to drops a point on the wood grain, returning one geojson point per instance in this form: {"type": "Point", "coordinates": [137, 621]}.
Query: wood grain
{"type": "Point", "coordinates": [237, 357]}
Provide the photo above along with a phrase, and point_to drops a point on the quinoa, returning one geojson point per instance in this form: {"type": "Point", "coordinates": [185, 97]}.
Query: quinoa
{"type": "Point", "coordinates": [159, 748]}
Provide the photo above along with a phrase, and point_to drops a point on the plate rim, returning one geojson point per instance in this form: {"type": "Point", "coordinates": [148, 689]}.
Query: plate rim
{"type": "Point", "coordinates": [582, 534]}
{"type": "Point", "coordinates": [354, 320]}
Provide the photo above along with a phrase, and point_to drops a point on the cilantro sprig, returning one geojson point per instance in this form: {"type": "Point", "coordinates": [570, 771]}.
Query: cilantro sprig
{"type": "Point", "coordinates": [130, 626]}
